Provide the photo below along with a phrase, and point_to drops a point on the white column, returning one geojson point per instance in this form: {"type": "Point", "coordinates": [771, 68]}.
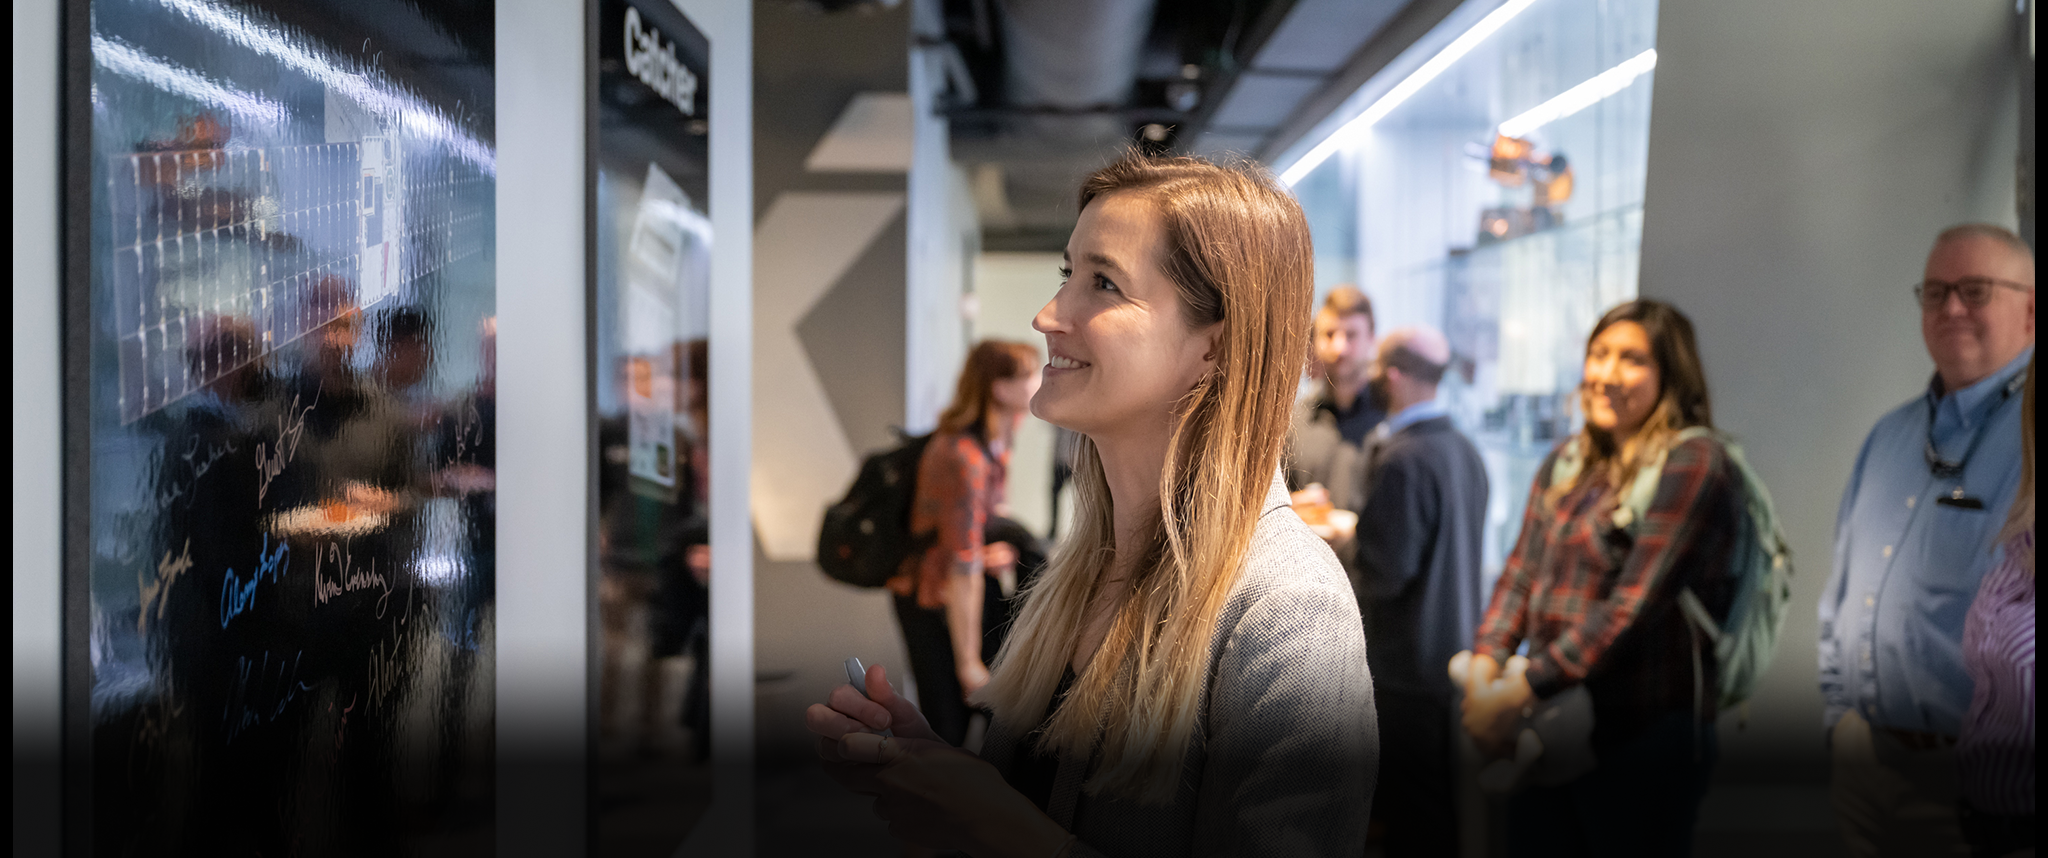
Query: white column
{"type": "Point", "coordinates": [934, 332]}
{"type": "Point", "coordinates": [544, 553]}
{"type": "Point", "coordinates": [38, 431]}
{"type": "Point", "coordinates": [728, 828]}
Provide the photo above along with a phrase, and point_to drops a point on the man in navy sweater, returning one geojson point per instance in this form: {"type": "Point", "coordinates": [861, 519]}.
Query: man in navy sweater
{"type": "Point", "coordinates": [1418, 561]}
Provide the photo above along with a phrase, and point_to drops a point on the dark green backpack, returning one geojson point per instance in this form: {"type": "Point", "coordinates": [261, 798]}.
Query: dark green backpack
{"type": "Point", "coordinates": [1745, 644]}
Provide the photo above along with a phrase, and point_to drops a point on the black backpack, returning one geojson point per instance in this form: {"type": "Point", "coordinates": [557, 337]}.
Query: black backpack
{"type": "Point", "coordinates": [866, 535]}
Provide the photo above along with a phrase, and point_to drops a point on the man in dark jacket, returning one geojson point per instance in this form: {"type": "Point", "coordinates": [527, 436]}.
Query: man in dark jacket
{"type": "Point", "coordinates": [1325, 444]}
{"type": "Point", "coordinates": [1418, 561]}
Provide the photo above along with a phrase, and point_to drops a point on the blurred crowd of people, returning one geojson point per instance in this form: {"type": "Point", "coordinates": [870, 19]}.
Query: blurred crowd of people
{"type": "Point", "coordinates": [352, 456]}
{"type": "Point", "coordinates": [1634, 523]}
{"type": "Point", "coordinates": [1643, 598]}
{"type": "Point", "coordinates": [654, 561]}
{"type": "Point", "coordinates": [1611, 638]}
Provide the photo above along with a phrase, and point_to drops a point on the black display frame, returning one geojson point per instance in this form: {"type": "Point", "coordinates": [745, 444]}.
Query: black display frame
{"type": "Point", "coordinates": [599, 35]}
{"type": "Point", "coordinates": [74, 155]}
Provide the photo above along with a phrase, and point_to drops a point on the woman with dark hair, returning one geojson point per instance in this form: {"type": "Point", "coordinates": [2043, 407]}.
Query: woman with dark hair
{"type": "Point", "coordinates": [1591, 597]}
{"type": "Point", "coordinates": [941, 595]}
{"type": "Point", "coordinates": [1188, 675]}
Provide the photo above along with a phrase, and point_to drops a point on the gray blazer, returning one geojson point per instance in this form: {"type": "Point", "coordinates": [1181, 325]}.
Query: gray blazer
{"type": "Point", "coordinates": [1286, 747]}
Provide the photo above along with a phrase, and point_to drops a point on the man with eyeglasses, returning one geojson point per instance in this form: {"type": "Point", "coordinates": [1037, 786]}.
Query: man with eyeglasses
{"type": "Point", "coordinates": [1930, 490]}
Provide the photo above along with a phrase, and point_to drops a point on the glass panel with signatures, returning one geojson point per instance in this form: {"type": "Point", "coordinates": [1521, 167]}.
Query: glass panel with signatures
{"type": "Point", "coordinates": [288, 294]}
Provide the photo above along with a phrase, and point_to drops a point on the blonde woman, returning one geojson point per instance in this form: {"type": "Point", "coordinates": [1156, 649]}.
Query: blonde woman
{"type": "Point", "coordinates": [1188, 676]}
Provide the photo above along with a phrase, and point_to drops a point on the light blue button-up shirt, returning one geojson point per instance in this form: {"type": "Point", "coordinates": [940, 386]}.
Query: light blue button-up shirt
{"type": "Point", "coordinates": [1907, 563]}
{"type": "Point", "coordinates": [1425, 410]}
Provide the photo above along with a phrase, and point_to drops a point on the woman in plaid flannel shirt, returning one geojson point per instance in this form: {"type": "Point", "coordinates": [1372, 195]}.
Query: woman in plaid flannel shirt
{"type": "Point", "coordinates": [1590, 601]}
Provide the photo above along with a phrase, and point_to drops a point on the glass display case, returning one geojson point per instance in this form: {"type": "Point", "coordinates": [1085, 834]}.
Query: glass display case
{"type": "Point", "coordinates": [1502, 202]}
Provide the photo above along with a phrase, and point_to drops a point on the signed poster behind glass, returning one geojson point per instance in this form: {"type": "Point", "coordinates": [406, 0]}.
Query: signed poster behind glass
{"type": "Point", "coordinates": [282, 311]}
{"type": "Point", "coordinates": [650, 299]}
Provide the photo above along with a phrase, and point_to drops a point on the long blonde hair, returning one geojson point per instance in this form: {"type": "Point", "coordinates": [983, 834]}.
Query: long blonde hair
{"type": "Point", "coordinates": [1238, 250]}
{"type": "Point", "coordinates": [2021, 519]}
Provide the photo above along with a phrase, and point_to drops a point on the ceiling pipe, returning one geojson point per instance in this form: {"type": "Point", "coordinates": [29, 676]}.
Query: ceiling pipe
{"type": "Point", "coordinates": [1073, 54]}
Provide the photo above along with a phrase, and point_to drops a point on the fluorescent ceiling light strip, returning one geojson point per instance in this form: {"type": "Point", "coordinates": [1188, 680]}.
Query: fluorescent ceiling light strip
{"type": "Point", "coordinates": [1582, 96]}
{"type": "Point", "coordinates": [409, 110]}
{"type": "Point", "coordinates": [1429, 71]}
{"type": "Point", "coordinates": [118, 57]}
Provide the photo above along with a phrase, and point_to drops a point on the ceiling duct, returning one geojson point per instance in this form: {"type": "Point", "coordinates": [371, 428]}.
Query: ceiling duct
{"type": "Point", "coordinates": [1073, 55]}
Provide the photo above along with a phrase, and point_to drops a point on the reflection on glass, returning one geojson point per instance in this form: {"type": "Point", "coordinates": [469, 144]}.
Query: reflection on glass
{"type": "Point", "coordinates": [651, 300]}
{"type": "Point", "coordinates": [1502, 203]}
{"type": "Point", "coordinates": [290, 404]}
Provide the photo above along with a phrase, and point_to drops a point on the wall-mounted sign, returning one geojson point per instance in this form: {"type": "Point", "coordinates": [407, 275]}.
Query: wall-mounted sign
{"type": "Point", "coordinates": [652, 59]}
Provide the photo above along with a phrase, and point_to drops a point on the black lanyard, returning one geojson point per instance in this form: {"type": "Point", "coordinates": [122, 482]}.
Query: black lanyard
{"type": "Point", "coordinates": [1945, 469]}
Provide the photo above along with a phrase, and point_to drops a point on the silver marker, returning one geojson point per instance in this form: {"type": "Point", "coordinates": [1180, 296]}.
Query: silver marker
{"type": "Point", "coordinates": [857, 676]}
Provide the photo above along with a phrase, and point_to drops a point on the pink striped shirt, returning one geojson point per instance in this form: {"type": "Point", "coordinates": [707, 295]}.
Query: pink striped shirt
{"type": "Point", "coordinates": [1995, 754]}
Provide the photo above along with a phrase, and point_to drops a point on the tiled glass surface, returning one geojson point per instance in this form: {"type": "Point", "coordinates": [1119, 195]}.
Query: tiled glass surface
{"type": "Point", "coordinates": [247, 234]}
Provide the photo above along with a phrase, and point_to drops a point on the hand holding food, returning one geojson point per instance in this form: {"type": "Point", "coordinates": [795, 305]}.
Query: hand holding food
{"type": "Point", "coordinates": [1312, 503]}
{"type": "Point", "coordinates": [1335, 526]}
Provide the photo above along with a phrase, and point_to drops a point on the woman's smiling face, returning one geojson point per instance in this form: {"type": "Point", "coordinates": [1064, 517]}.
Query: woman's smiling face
{"type": "Point", "coordinates": [1120, 350]}
{"type": "Point", "coordinates": [1622, 383]}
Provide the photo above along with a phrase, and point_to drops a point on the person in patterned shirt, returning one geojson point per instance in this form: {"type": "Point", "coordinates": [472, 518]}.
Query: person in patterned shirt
{"type": "Point", "coordinates": [942, 594]}
{"type": "Point", "coordinates": [1592, 602]}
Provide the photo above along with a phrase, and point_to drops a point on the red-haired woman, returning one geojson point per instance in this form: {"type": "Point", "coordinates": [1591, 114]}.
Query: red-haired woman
{"type": "Point", "coordinates": [941, 595]}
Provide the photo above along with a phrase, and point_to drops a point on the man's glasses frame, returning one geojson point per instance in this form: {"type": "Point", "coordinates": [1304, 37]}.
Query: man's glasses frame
{"type": "Point", "coordinates": [1975, 291]}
